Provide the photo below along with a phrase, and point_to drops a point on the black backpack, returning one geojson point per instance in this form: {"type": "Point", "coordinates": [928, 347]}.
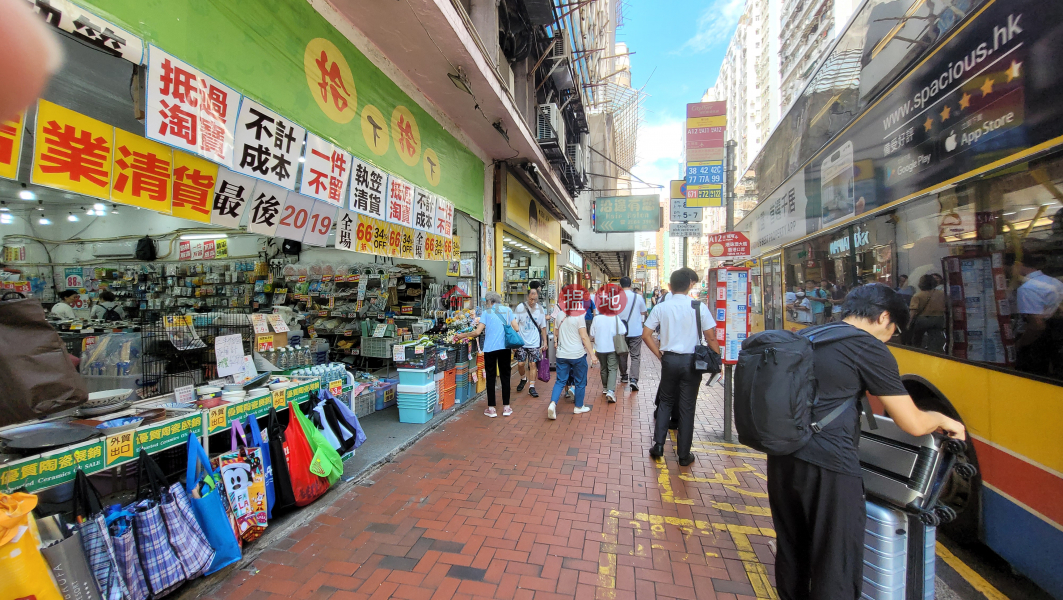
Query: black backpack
{"type": "Point", "coordinates": [775, 390]}
{"type": "Point", "coordinates": [110, 314]}
{"type": "Point", "coordinates": [145, 249]}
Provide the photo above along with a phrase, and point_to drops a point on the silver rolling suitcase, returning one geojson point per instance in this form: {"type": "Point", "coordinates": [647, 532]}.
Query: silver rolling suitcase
{"type": "Point", "coordinates": [898, 555]}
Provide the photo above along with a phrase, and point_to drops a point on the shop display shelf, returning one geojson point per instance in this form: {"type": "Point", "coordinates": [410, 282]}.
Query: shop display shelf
{"type": "Point", "coordinates": [364, 404]}
{"type": "Point", "coordinates": [378, 347]}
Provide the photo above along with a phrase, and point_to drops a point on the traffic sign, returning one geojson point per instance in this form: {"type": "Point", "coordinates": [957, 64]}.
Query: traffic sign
{"type": "Point", "coordinates": [680, 212]}
{"type": "Point", "coordinates": [684, 230]}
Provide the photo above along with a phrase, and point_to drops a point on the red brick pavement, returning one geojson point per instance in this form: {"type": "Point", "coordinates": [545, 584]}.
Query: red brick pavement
{"type": "Point", "coordinates": [523, 507]}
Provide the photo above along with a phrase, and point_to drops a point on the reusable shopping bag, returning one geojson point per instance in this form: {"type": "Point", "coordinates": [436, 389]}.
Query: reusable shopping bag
{"type": "Point", "coordinates": [96, 539]}
{"type": "Point", "coordinates": [120, 526]}
{"type": "Point", "coordinates": [267, 462]}
{"type": "Point", "coordinates": [162, 568]}
{"type": "Point", "coordinates": [283, 492]}
{"type": "Point", "coordinates": [25, 572]}
{"type": "Point", "coordinates": [205, 496]}
{"type": "Point", "coordinates": [306, 485]}
{"type": "Point", "coordinates": [244, 483]}
{"type": "Point", "coordinates": [348, 420]}
{"type": "Point", "coordinates": [326, 461]}
{"type": "Point", "coordinates": [187, 538]}
{"type": "Point", "coordinates": [70, 568]}
{"type": "Point", "coordinates": [544, 368]}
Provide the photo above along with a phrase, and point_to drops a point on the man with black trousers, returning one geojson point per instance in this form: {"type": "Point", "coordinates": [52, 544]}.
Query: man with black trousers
{"type": "Point", "coordinates": [679, 381]}
{"type": "Point", "coordinates": [632, 315]}
{"type": "Point", "coordinates": [817, 493]}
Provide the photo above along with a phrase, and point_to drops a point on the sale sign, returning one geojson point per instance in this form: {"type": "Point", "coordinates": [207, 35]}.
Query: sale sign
{"type": "Point", "coordinates": [728, 245]}
{"type": "Point", "coordinates": [294, 217]}
{"type": "Point", "coordinates": [72, 152]}
{"type": "Point", "coordinates": [363, 239]}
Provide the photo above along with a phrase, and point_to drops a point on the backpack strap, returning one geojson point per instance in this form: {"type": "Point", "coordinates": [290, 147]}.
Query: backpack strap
{"type": "Point", "coordinates": [864, 407]}
{"type": "Point", "coordinates": [697, 318]}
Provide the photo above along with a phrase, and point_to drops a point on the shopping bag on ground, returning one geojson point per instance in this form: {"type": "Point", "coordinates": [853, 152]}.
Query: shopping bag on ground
{"type": "Point", "coordinates": [70, 568]}
{"type": "Point", "coordinates": [283, 492]}
{"type": "Point", "coordinates": [326, 462]}
{"type": "Point", "coordinates": [162, 568]}
{"type": "Point", "coordinates": [204, 494]}
{"type": "Point", "coordinates": [245, 484]}
{"type": "Point", "coordinates": [120, 526]}
{"type": "Point", "coordinates": [186, 536]}
{"type": "Point", "coordinates": [267, 462]}
{"type": "Point", "coordinates": [306, 485]}
{"type": "Point", "coordinates": [96, 540]}
{"type": "Point", "coordinates": [25, 572]}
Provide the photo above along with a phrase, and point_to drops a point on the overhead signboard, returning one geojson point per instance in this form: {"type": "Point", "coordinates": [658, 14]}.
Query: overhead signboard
{"type": "Point", "coordinates": [622, 214]}
{"type": "Point", "coordinates": [682, 230]}
{"type": "Point", "coordinates": [728, 245]}
{"type": "Point", "coordinates": [681, 213]}
{"type": "Point", "coordinates": [706, 125]}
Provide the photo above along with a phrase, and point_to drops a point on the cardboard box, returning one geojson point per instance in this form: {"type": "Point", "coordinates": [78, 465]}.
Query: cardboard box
{"type": "Point", "coordinates": [279, 340]}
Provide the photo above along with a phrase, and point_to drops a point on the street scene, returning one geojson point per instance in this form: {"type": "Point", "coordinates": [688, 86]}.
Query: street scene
{"type": "Point", "coordinates": [531, 299]}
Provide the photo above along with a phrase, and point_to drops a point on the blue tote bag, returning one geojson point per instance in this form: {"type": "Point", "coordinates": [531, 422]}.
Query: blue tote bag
{"type": "Point", "coordinates": [205, 496]}
{"type": "Point", "coordinates": [267, 464]}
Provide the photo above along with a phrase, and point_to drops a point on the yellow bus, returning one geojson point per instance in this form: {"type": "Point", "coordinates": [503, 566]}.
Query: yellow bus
{"type": "Point", "coordinates": [926, 153]}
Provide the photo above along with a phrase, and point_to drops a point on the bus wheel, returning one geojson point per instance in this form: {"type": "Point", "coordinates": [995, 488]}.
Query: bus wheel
{"type": "Point", "coordinates": [963, 491]}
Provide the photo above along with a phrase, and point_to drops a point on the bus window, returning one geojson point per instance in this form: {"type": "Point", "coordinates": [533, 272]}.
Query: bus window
{"type": "Point", "coordinates": [985, 270]}
{"type": "Point", "coordinates": [774, 314]}
{"type": "Point", "coordinates": [810, 274]}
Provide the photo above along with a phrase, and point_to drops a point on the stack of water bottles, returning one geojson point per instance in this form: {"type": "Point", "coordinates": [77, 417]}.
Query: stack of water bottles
{"type": "Point", "coordinates": [324, 374]}
{"type": "Point", "coordinates": [290, 357]}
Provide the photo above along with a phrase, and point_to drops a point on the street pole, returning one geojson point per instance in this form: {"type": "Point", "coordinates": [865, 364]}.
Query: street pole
{"type": "Point", "coordinates": [685, 252]}
{"type": "Point", "coordinates": [728, 370]}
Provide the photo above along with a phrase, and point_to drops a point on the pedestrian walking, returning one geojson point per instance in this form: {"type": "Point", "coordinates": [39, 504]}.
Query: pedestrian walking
{"type": "Point", "coordinates": [678, 318]}
{"type": "Point", "coordinates": [497, 358]}
{"type": "Point", "coordinates": [632, 319]}
{"type": "Point", "coordinates": [603, 330]}
{"type": "Point", "coordinates": [573, 347]}
{"type": "Point", "coordinates": [816, 493]}
{"type": "Point", "coordinates": [532, 318]}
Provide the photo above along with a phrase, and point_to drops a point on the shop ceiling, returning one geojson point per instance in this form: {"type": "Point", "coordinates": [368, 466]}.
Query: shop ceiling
{"type": "Point", "coordinates": [614, 263]}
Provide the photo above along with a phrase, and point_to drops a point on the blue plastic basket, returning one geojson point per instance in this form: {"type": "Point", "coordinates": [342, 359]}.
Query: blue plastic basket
{"type": "Point", "coordinates": [416, 376]}
{"type": "Point", "coordinates": [415, 415]}
{"type": "Point", "coordinates": [385, 394]}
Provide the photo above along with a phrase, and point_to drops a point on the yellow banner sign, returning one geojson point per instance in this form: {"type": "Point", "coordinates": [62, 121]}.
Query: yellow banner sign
{"type": "Point", "coordinates": [141, 173]}
{"type": "Point", "coordinates": [11, 146]}
{"type": "Point", "coordinates": [193, 186]}
{"type": "Point", "coordinates": [72, 152]}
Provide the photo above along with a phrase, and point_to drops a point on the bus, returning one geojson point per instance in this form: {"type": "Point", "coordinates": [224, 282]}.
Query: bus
{"type": "Point", "coordinates": [926, 153]}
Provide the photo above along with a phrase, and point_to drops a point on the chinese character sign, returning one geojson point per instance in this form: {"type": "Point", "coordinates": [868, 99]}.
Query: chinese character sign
{"type": "Point", "coordinates": [400, 202]}
{"type": "Point", "coordinates": [424, 210]}
{"type": "Point", "coordinates": [363, 234]}
{"type": "Point", "coordinates": [232, 194]}
{"type": "Point", "coordinates": [572, 300]}
{"type": "Point", "coordinates": [345, 230]}
{"type": "Point", "coordinates": [420, 238]}
{"type": "Point", "coordinates": [325, 172]}
{"type": "Point", "coordinates": [610, 299]}
{"type": "Point", "coordinates": [72, 152]}
{"type": "Point", "coordinates": [193, 185]}
{"type": "Point", "coordinates": [141, 172]}
{"type": "Point", "coordinates": [267, 201]}
{"type": "Point", "coordinates": [444, 221]}
{"type": "Point", "coordinates": [368, 190]}
{"type": "Point", "coordinates": [11, 145]}
{"type": "Point", "coordinates": [90, 29]}
{"type": "Point", "coordinates": [268, 146]}
{"type": "Point", "coordinates": [188, 110]}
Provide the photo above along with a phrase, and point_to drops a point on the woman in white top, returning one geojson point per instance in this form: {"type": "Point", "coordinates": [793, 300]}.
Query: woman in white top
{"type": "Point", "coordinates": [603, 328]}
{"type": "Point", "coordinates": [573, 346]}
{"type": "Point", "coordinates": [532, 319]}
{"type": "Point", "coordinates": [63, 308]}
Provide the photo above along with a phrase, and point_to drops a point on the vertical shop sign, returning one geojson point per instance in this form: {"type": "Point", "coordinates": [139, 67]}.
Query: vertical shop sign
{"type": "Point", "coordinates": [268, 146]}
{"type": "Point", "coordinates": [141, 172]}
{"type": "Point", "coordinates": [400, 202]}
{"type": "Point", "coordinates": [89, 28]}
{"type": "Point", "coordinates": [444, 221]}
{"type": "Point", "coordinates": [380, 238]}
{"type": "Point", "coordinates": [368, 190]}
{"type": "Point", "coordinates": [11, 145]}
{"type": "Point", "coordinates": [424, 209]}
{"type": "Point", "coordinates": [364, 234]}
{"type": "Point", "coordinates": [231, 197]}
{"type": "Point", "coordinates": [294, 217]}
{"type": "Point", "coordinates": [394, 248]}
{"type": "Point", "coordinates": [345, 226]}
{"type": "Point", "coordinates": [322, 217]}
{"type": "Point", "coordinates": [420, 239]}
{"type": "Point", "coordinates": [188, 110]}
{"type": "Point", "coordinates": [267, 201]}
{"type": "Point", "coordinates": [406, 248]}
{"type": "Point", "coordinates": [194, 180]}
{"type": "Point", "coordinates": [325, 172]}
{"type": "Point", "coordinates": [71, 152]}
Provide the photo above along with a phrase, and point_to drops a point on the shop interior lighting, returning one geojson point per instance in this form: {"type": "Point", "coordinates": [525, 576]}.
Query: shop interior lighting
{"type": "Point", "coordinates": [204, 236]}
{"type": "Point", "coordinates": [99, 207]}
{"type": "Point", "coordinates": [3, 207]}
{"type": "Point", "coordinates": [27, 195]}
{"type": "Point", "coordinates": [90, 212]}
{"type": "Point", "coordinates": [44, 221]}
{"type": "Point", "coordinates": [6, 219]}
{"type": "Point", "coordinates": [302, 159]}
{"type": "Point", "coordinates": [72, 218]}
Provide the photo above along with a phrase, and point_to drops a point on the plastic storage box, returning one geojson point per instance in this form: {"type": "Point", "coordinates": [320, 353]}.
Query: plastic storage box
{"type": "Point", "coordinates": [417, 376]}
{"type": "Point", "coordinates": [385, 394]}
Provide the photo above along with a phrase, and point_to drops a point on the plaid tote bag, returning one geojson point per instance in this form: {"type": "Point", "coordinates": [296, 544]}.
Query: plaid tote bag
{"type": "Point", "coordinates": [162, 568]}
{"type": "Point", "coordinates": [186, 537]}
{"type": "Point", "coordinates": [96, 540]}
{"type": "Point", "coordinates": [125, 550]}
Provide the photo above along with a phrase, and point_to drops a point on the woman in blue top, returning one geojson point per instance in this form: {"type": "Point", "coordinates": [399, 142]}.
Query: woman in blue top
{"type": "Point", "coordinates": [496, 355]}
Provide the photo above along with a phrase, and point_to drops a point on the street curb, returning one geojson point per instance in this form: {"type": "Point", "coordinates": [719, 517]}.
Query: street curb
{"type": "Point", "coordinates": [210, 584]}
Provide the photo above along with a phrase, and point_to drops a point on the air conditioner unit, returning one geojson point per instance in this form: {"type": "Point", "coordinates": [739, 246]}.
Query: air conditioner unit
{"type": "Point", "coordinates": [550, 126]}
{"type": "Point", "coordinates": [123, 249]}
{"type": "Point", "coordinates": [574, 153]}
{"type": "Point", "coordinates": [561, 46]}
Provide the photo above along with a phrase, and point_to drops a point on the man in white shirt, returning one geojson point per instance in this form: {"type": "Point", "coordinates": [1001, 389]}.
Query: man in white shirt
{"type": "Point", "coordinates": [679, 380]}
{"type": "Point", "coordinates": [1037, 300]}
{"type": "Point", "coordinates": [602, 330]}
{"type": "Point", "coordinates": [632, 316]}
{"type": "Point", "coordinates": [532, 318]}
{"type": "Point", "coordinates": [64, 309]}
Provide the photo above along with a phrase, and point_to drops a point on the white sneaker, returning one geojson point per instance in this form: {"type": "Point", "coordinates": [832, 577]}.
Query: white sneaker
{"type": "Point", "coordinates": [605, 392]}
{"type": "Point", "coordinates": [581, 409]}
{"type": "Point", "coordinates": [610, 396]}
{"type": "Point", "coordinates": [551, 411]}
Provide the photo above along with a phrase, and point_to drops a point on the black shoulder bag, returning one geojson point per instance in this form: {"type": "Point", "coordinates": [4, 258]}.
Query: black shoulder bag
{"type": "Point", "coordinates": [706, 360]}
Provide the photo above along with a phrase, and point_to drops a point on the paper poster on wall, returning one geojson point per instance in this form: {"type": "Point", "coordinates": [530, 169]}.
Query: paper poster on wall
{"type": "Point", "coordinates": [420, 238]}
{"type": "Point", "coordinates": [444, 221]}
{"type": "Point", "coordinates": [268, 146]}
{"type": "Point", "coordinates": [406, 248]}
{"type": "Point", "coordinates": [232, 194]}
{"type": "Point", "coordinates": [400, 202]}
{"type": "Point", "coordinates": [368, 190]}
{"type": "Point", "coordinates": [188, 110]}
{"type": "Point", "coordinates": [380, 238]}
{"type": "Point", "coordinates": [229, 354]}
{"type": "Point", "coordinates": [267, 201]}
{"type": "Point", "coordinates": [424, 209]}
{"type": "Point", "coordinates": [322, 217]}
{"type": "Point", "coordinates": [294, 217]}
{"type": "Point", "coordinates": [326, 171]}
{"type": "Point", "coordinates": [364, 235]}
{"type": "Point", "coordinates": [345, 230]}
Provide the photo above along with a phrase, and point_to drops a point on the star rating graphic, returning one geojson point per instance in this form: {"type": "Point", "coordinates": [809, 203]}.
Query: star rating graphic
{"type": "Point", "coordinates": [929, 123]}
{"type": "Point", "coordinates": [965, 101]}
{"type": "Point", "coordinates": [1013, 71]}
{"type": "Point", "coordinates": [987, 87]}
{"type": "Point", "coordinates": [945, 112]}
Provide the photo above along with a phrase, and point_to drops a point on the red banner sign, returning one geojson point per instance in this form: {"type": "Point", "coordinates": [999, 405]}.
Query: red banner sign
{"type": "Point", "coordinates": [727, 245]}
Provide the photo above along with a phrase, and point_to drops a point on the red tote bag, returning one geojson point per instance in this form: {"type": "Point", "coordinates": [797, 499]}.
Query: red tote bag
{"type": "Point", "coordinates": [307, 486]}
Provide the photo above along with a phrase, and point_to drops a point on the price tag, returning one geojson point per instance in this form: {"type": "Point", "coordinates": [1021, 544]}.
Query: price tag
{"type": "Point", "coordinates": [278, 323]}
{"type": "Point", "coordinates": [119, 445]}
{"type": "Point", "coordinates": [185, 394]}
{"type": "Point", "coordinates": [216, 418]}
{"type": "Point", "coordinates": [265, 343]}
{"type": "Point", "coordinates": [322, 313]}
{"type": "Point", "coordinates": [364, 235]}
{"type": "Point", "coordinates": [335, 387]}
{"type": "Point", "coordinates": [322, 217]}
{"type": "Point", "coordinates": [278, 399]}
{"type": "Point", "coordinates": [418, 349]}
{"type": "Point", "coordinates": [398, 352]}
{"type": "Point", "coordinates": [380, 330]}
{"type": "Point", "coordinates": [295, 217]}
{"type": "Point", "coordinates": [443, 355]}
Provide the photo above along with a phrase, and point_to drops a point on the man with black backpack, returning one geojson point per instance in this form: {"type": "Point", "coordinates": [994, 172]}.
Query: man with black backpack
{"type": "Point", "coordinates": [798, 397]}
{"type": "Point", "coordinates": [684, 324]}
{"type": "Point", "coordinates": [108, 308]}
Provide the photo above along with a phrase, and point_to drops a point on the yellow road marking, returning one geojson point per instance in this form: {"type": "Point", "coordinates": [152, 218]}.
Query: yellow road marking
{"type": "Point", "coordinates": [665, 483]}
{"type": "Point", "coordinates": [977, 581]}
{"type": "Point", "coordinates": [722, 444]}
{"type": "Point", "coordinates": [729, 480]}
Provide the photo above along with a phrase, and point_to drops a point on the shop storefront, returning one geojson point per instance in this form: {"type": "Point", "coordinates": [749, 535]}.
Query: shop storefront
{"type": "Point", "coordinates": [569, 266]}
{"type": "Point", "coordinates": [527, 240]}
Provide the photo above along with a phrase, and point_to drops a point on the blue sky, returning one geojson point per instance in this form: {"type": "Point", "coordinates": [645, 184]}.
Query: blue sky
{"type": "Point", "coordinates": [685, 41]}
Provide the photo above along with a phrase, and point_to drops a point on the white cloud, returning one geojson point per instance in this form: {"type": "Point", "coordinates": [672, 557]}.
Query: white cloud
{"type": "Point", "coordinates": [716, 25]}
{"type": "Point", "coordinates": [660, 146]}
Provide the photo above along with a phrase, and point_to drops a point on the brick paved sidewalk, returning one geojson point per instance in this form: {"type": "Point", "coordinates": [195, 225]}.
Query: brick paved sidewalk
{"type": "Point", "coordinates": [523, 507]}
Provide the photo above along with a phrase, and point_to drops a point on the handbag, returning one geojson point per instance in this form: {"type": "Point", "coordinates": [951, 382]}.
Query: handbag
{"type": "Point", "coordinates": [620, 339]}
{"type": "Point", "coordinates": [306, 485]}
{"type": "Point", "coordinates": [544, 368]}
{"type": "Point", "coordinates": [326, 462]}
{"type": "Point", "coordinates": [120, 526]}
{"type": "Point", "coordinates": [346, 418]}
{"type": "Point", "coordinates": [70, 568]}
{"type": "Point", "coordinates": [205, 498]}
{"type": "Point", "coordinates": [26, 573]}
{"type": "Point", "coordinates": [706, 360]}
{"type": "Point", "coordinates": [513, 339]}
{"type": "Point", "coordinates": [162, 569]}
{"type": "Point", "coordinates": [96, 539]}
{"type": "Point", "coordinates": [267, 462]}
{"type": "Point", "coordinates": [244, 483]}
{"type": "Point", "coordinates": [283, 493]}
{"type": "Point", "coordinates": [38, 377]}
